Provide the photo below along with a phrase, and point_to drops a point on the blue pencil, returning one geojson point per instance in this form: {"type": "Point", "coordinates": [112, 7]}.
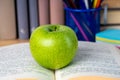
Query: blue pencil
{"type": "Point", "coordinates": [82, 4]}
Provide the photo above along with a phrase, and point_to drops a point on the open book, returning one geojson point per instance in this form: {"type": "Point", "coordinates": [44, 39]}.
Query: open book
{"type": "Point", "coordinates": [93, 61]}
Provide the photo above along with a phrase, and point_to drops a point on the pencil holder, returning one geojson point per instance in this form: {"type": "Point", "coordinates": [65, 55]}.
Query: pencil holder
{"type": "Point", "coordinates": [85, 23]}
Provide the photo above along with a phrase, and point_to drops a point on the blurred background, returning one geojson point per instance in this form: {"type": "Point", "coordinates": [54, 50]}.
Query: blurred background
{"type": "Point", "coordinates": [18, 18]}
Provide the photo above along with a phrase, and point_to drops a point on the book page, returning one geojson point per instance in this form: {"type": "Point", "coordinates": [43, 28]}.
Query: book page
{"type": "Point", "coordinates": [93, 61]}
{"type": "Point", "coordinates": [16, 63]}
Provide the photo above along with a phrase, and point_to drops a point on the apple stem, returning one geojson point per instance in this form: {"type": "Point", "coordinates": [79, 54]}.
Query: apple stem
{"type": "Point", "coordinates": [54, 28]}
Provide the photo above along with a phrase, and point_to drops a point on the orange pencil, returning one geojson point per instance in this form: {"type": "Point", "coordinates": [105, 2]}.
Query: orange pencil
{"type": "Point", "coordinates": [98, 3]}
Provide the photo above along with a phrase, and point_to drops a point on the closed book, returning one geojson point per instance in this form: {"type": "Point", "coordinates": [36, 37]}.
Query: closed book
{"type": "Point", "coordinates": [7, 19]}
{"type": "Point", "coordinates": [113, 12]}
{"type": "Point", "coordinates": [56, 12]}
{"type": "Point", "coordinates": [22, 19]}
{"type": "Point", "coordinates": [112, 3]}
{"type": "Point", "coordinates": [33, 14]}
{"type": "Point", "coordinates": [113, 17]}
{"type": "Point", "coordinates": [44, 15]}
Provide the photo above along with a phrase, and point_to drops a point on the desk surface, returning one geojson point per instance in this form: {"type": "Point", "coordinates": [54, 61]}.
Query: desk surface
{"type": "Point", "coordinates": [9, 42]}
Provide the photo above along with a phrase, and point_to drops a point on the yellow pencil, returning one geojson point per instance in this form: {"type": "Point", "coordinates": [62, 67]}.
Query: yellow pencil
{"type": "Point", "coordinates": [94, 3]}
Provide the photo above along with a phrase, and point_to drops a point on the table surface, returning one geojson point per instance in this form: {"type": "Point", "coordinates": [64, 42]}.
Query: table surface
{"type": "Point", "coordinates": [9, 42]}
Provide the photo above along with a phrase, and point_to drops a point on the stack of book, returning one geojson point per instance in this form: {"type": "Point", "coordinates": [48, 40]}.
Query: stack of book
{"type": "Point", "coordinates": [18, 18]}
{"type": "Point", "coordinates": [110, 36]}
{"type": "Point", "coordinates": [112, 14]}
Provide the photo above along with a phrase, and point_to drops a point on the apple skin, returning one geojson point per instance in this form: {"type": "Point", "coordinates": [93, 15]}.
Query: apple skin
{"type": "Point", "coordinates": [53, 46]}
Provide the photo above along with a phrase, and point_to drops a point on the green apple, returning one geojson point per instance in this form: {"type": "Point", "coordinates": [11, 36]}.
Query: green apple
{"type": "Point", "coordinates": [53, 46]}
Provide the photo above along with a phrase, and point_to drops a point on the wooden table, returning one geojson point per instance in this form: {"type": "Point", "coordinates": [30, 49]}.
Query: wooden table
{"type": "Point", "coordinates": [9, 42]}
